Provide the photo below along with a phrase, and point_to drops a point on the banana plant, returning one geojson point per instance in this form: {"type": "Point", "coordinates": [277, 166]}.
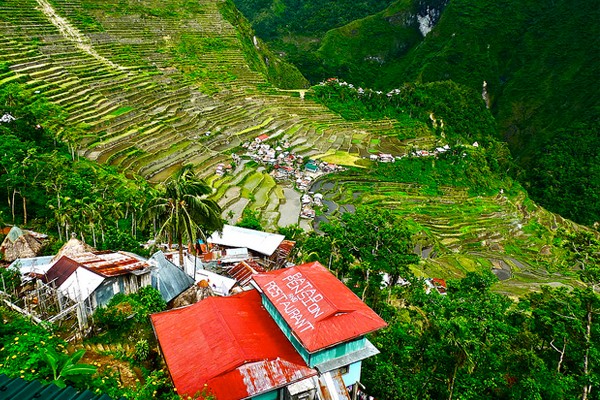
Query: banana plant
{"type": "Point", "coordinates": [65, 366]}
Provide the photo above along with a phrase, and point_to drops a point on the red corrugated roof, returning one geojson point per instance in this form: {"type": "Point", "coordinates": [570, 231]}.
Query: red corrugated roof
{"type": "Point", "coordinates": [317, 306]}
{"type": "Point", "coordinates": [231, 344]}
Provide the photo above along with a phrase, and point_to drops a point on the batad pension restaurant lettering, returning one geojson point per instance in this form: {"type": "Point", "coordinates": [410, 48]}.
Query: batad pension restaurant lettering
{"type": "Point", "coordinates": [298, 300]}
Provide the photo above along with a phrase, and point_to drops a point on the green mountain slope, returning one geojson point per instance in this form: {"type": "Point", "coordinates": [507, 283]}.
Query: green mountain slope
{"type": "Point", "coordinates": [539, 63]}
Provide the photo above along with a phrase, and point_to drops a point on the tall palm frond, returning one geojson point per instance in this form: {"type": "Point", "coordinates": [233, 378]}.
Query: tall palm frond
{"type": "Point", "coordinates": [182, 210]}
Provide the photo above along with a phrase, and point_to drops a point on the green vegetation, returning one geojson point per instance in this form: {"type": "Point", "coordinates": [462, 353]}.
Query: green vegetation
{"type": "Point", "coordinates": [123, 320]}
{"type": "Point", "coordinates": [459, 115]}
{"type": "Point", "coordinates": [182, 211]}
{"type": "Point", "coordinates": [279, 72]}
{"type": "Point", "coordinates": [250, 220]}
{"type": "Point", "coordinates": [49, 189]}
{"type": "Point", "coordinates": [193, 84]}
{"type": "Point", "coordinates": [274, 19]}
{"type": "Point", "coordinates": [537, 61]}
{"type": "Point", "coordinates": [473, 342]}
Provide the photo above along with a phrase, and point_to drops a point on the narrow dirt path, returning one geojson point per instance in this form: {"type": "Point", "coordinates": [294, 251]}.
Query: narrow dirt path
{"type": "Point", "coordinates": [71, 33]}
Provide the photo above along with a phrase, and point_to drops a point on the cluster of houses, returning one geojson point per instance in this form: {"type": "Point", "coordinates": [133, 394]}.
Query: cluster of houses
{"type": "Point", "coordinates": [243, 322]}
{"type": "Point", "coordinates": [287, 165]}
{"type": "Point", "coordinates": [388, 158]}
{"type": "Point", "coordinates": [308, 202]}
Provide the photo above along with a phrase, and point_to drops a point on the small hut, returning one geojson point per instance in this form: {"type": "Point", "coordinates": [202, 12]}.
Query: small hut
{"type": "Point", "coordinates": [73, 247]}
{"type": "Point", "coordinates": [21, 244]}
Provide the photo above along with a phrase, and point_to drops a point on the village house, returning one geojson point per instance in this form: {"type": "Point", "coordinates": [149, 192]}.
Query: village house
{"type": "Point", "coordinates": [269, 249]}
{"type": "Point", "coordinates": [386, 158]}
{"type": "Point", "coordinates": [167, 278]}
{"type": "Point", "coordinates": [262, 138]}
{"type": "Point", "coordinates": [93, 278]}
{"type": "Point", "coordinates": [243, 272]}
{"type": "Point", "coordinates": [300, 334]}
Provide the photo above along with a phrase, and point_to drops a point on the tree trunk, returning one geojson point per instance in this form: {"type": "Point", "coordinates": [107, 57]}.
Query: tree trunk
{"type": "Point", "coordinates": [364, 293]}
{"type": "Point", "coordinates": [24, 210]}
{"type": "Point", "coordinates": [180, 243]}
{"type": "Point", "coordinates": [587, 388]}
{"type": "Point", "coordinates": [451, 388]}
{"type": "Point", "coordinates": [13, 205]}
{"type": "Point", "coordinates": [94, 236]}
{"type": "Point", "coordinates": [561, 352]}
{"type": "Point", "coordinates": [133, 231]}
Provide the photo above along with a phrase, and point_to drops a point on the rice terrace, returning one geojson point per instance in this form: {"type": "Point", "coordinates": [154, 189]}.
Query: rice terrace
{"type": "Point", "coordinates": [156, 85]}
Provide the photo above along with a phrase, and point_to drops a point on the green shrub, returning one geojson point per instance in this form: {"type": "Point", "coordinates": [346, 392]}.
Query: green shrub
{"type": "Point", "coordinates": [142, 350]}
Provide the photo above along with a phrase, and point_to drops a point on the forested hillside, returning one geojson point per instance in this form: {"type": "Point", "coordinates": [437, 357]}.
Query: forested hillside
{"type": "Point", "coordinates": [539, 62]}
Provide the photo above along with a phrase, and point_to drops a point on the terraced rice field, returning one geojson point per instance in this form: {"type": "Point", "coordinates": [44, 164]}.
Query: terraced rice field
{"type": "Point", "coordinates": [159, 87]}
{"type": "Point", "coordinates": [460, 233]}
{"type": "Point", "coordinates": [156, 90]}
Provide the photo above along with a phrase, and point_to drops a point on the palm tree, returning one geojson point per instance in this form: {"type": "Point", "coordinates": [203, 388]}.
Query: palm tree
{"type": "Point", "coordinates": [182, 210]}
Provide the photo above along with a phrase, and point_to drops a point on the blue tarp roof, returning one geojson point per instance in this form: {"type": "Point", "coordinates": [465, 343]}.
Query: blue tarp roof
{"type": "Point", "coordinates": [167, 278]}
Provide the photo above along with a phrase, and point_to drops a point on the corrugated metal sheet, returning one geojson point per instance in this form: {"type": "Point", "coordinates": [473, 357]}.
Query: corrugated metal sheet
{"type": "Point", "coordinates": [108, 263]}
{"type": "Point", "coordinates": [34, 265]}
{"type": "Point", "coordinates": [219, 284]}
{"type": "Point", "coordinates": [243, 271]}
{"type": "Point", "coordinates": [81, 284]}
{"type": "Point", "coordinates": [20, 389]}
{"type": "Point", "coordinates": [167, 278]}
{"type": "Point", "coordinates": [337, 351]}
{"type": "Point", "coordinates": [318, 307]}
{"type": "Point", "coordinates": [349, 358]}
{"type": "Point", "coordinates": [234, 236]}
{"type": "Point", "coordinates": [61, 271]}
{"type": "Point", "coordinates": [229, 343]}
{"type": "Point", "coordinates": [332, 386]}
{"type": "Point", "coordinates": [282, 253]}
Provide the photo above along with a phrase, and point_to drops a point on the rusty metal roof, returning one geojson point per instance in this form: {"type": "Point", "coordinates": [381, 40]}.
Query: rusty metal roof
{"type": "Point", "coordinates": [243, 271]}
{"type": "Point", "coordinates": [318, 307]}
{"type": "Point", "coordinates": [110, 263]}
{"type": "Point", "coordinates": [230, 344]}
{"type": "Point", "coordinates": [281, 254]}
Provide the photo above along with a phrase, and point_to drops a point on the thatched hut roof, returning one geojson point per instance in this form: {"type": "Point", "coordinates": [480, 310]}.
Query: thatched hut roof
{"type": "Point", "coordinates": [72, 248]}
{"type": "Point", "coordinates": [21, 244]}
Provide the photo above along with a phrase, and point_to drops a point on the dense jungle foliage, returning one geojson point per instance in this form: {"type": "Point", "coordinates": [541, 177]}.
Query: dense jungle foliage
{"type": "Point", "coordinates": [539, 61]}
{"type": "Point", "coordinates": [48, 187]}
{"type": "Point", "coordinates": [471, 343]}
{"type": "Point", "coordinates": [455, 116]}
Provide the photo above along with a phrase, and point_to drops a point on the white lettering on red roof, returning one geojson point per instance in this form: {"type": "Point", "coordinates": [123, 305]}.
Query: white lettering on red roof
{"type": "Point", "coordinates": [297, 291]}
